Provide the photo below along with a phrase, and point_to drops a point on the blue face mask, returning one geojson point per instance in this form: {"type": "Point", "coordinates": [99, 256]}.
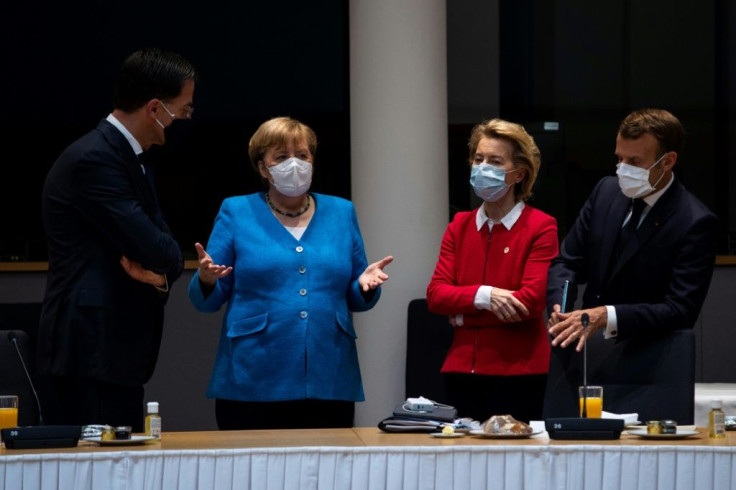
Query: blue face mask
{"type": "Point", "coordinates": [489, 182]}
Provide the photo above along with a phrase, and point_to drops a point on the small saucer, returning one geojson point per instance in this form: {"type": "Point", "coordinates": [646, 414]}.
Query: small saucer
{"type": "Point", "coordinates": [440, 435]}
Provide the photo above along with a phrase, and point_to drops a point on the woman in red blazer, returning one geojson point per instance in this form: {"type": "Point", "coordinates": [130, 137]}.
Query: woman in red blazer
{"type": "Point", "coordinates": [491, 278]}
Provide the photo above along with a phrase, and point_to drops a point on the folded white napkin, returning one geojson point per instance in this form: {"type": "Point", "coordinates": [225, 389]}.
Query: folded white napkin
{"type": "Point", "coordinates": [628, 418]}
{"type": "Point", "coordinates": [537, 425]}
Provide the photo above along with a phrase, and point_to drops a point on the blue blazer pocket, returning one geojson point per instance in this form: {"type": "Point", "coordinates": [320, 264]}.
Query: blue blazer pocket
{"type": "Point", "coordinates": [247, 326]}
{"type": "Point", "coordinates": [346, 325]}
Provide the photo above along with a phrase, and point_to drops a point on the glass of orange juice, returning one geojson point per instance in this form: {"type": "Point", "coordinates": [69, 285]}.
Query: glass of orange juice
{"type": "Point", "coordinates": [8, 411]}
{"type": "Point", "coordinates": [593, 401]}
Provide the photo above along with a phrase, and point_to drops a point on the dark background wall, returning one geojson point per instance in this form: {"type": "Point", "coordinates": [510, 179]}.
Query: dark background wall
{"type": "Point", "coordinates": [257, 60]}
{"type": "Point", "coordinates": [585, 65]}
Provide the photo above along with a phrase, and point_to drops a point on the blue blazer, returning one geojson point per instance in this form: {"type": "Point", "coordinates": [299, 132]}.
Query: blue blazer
{"type": "Point", "coordinates": [287, 333]}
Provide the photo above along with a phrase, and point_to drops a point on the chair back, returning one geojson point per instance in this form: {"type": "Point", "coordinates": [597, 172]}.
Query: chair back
{"type": "Point", "coordinates": [13, 379]}
{"type": "Point", "coordinates": [651, 376]}
{"type": "Point", "coordinates": [428, 338]}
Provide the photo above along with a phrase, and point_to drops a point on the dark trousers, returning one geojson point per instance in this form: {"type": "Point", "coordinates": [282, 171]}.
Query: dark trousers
{"type": "Point", "coordinates": [82, 401]}
{"type": "Point", "coordinates": [293, 414]}
{"type": "Point", "coordinates": [480, 397]}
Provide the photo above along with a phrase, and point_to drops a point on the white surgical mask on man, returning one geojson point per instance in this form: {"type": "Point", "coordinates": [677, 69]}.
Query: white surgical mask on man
{"type": "Point", "coordinates": [488, 181]}
{"type": "Point", "coordinates": [634, 181]}
{"type": "Point", "coordinates": [292, 177]}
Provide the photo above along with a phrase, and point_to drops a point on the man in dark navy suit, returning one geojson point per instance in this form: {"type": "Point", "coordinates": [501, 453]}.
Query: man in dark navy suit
{"type": "Point", "coordinates": [643, 245]}
{"type": "Point", "coordinates": [112, 257]}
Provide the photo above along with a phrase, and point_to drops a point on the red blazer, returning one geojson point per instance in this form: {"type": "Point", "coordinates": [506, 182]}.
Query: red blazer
{"type": "Point", "coordinates": [516, 260]}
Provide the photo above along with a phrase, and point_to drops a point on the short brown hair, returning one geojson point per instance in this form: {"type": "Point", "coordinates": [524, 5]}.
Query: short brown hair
{"type": "Point", "coordinates": [279, 131]}
{"type": "Point", "coordinates": [525, 152]}
{"type": "Point", "coordinates": [661, 124]}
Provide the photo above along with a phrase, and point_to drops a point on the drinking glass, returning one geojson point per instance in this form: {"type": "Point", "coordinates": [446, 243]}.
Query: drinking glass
{"type": "Point", "coordinates": [593, 401]}
{"type": "Point", "coordinates": [8, 411]}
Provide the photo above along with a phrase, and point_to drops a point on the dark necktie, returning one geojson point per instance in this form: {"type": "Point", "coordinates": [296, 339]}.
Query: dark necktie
{"type": "Point", "coordinates": [627, 232]}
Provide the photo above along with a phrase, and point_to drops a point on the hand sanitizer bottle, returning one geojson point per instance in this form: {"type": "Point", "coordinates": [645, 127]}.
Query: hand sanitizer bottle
{"type": "Point", "coordinates": [153, 421]}
{"type": "Point", "coordinates": [716, 420]}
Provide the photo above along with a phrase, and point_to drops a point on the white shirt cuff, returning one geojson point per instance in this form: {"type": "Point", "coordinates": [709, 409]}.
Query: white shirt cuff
{"type": "Point", "coordinates": [459, 320]}
{"type": "Point", "coordinates": [611, 331]}
{"type": "Point", "coordinates": [165, 287]}
{"type": "Point", "coordinates": [483, 298]}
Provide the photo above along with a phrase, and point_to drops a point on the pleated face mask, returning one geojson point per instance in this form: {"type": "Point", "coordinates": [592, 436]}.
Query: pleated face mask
{"type": "Point", "coordinates": [488, 181]}
{"type": "Point", "coordinates": [292, 177]}
{"type": "Point", "coordinates": [634, 181]}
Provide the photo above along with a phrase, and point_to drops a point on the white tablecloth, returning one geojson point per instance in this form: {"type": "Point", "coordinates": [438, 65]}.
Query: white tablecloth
{"type": "Point", "coordinates": [573, 467]}
{"type": "Point", "coordinates": [705, 392]}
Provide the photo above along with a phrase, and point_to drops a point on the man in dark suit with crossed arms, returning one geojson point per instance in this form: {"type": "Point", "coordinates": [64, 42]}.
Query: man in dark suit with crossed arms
{"type": "Point", "coordinates": [643, 245]}
{"type": "Point", "coordinates": [112, 257]}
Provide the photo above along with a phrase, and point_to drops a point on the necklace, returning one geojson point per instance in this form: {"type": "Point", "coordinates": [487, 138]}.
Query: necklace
{"type": "Point", "coordinates": [284, 213]}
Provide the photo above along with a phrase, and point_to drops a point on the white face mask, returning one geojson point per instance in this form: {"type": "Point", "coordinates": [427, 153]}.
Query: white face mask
{"type": "Point", "coordinates": [292, 177]}
{"type": "Point", "coordinates": [489, 182]}
{"type": "Point", "coordinates": [634, 181]}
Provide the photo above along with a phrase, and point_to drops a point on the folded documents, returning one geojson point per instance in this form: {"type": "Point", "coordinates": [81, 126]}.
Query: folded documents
{"type": "Point", "coordinates": [628, 418]}
{"type": "Point", "coordinates": [400, 424]}
{"type": "Point", "coordinates": [442, 413]}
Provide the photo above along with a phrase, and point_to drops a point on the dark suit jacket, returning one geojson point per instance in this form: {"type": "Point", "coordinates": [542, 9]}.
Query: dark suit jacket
{"type": "Point", "coordinates": [658, 282]}
{"type": "Point", "coordinates": [96, 321]}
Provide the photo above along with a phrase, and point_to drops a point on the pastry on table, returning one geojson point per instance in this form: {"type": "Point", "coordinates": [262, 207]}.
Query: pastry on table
{"type": "Point", "coordinates": [505, 424]}
{"type": "Point", "coordinates": [448, 430]}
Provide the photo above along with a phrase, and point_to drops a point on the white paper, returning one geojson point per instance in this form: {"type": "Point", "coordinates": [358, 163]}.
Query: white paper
{"type": "Point", "coordinates": [628, 418]}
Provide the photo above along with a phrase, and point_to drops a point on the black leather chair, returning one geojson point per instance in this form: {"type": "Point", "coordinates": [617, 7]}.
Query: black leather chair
{"type": "Point", "coordinates": [13, 380]}
{"type": "Point", "coordinates": [651, 376]}
{"type": "Point", "coordinates": [428, 338]}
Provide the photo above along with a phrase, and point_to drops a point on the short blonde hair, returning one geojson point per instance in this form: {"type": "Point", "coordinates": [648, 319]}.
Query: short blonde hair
{"type": "Point", "coordinates": [279, 131]}
{"type": "Point", "coordinates": [525, 153]}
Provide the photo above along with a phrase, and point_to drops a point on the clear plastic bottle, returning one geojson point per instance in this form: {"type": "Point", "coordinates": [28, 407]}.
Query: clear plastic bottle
{"type": "Point", "coordinates": [153, 421]}
{"type": "Point", "coordinates": [716, 420]}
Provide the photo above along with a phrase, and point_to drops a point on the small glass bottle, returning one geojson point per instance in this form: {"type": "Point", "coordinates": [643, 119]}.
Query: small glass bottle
{"type": "Point", "coordinates": [153, 421]}
{"type": "Point", "coordinates": [716, 420]}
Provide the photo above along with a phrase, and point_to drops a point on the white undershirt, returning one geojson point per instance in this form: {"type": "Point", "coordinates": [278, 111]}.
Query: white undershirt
{"type": "Point", "coordinates": [296, 231]}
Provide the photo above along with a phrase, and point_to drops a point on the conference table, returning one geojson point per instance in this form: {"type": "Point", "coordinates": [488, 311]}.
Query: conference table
{"type": "Point", "coordinates": [366, 458]}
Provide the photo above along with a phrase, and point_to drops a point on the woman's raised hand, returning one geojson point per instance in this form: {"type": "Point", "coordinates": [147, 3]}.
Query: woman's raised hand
{"type": "Point", "coordinates": [373, 276]}
{"type": "Point", "coordinates": [209, 272]}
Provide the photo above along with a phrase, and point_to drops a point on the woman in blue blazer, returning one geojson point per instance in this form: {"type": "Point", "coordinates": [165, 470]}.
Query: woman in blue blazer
{"type": "Point", "coordinates": [295, 270]}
